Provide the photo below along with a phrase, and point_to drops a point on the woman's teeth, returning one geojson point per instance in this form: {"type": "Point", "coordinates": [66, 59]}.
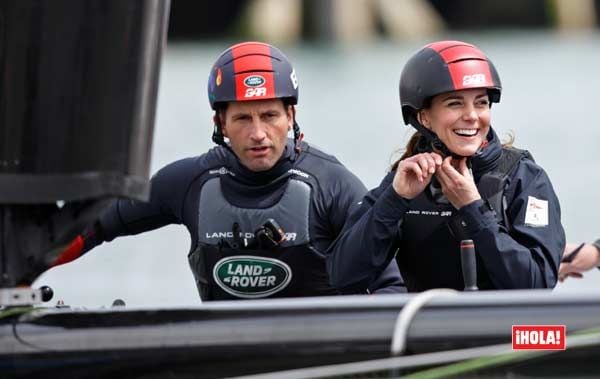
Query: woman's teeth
{"type": "Point", "coordinates": [466, 132]}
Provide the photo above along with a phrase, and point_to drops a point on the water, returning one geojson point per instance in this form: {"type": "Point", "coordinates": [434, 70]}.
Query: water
{"type": "Point", "coordinates": [349, 106]}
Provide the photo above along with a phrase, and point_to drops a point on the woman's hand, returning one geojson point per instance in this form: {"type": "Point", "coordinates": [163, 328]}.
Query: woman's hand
{"type": "Point", "coordinates": [458, 185]}
{"type": "Point", "coordinates": [414, 173]}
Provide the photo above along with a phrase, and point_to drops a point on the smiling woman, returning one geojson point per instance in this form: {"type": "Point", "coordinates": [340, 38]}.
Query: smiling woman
{"type": "Point", "coordinates": [455, 182]}
{"type": "Point", "coordinates": [460, 119]}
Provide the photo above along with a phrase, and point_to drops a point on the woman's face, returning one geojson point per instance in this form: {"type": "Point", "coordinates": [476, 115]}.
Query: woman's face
{"type": "Point", "coordinates": [461, 119]}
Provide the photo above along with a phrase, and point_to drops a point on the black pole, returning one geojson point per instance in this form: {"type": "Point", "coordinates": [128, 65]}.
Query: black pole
{"type": "Point", "coordinates": [469, 264]}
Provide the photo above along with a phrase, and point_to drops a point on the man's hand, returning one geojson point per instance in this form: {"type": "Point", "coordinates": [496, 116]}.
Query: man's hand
{"type": "Point", "coordinates": [458, 185]}
{"type": "Point", "coordinates": [575, 262]}
{"type": "Point", "coordinates": [414, 174]}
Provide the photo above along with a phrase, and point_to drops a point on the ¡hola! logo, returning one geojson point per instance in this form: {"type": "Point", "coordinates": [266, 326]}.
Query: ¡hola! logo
{"type": "Point", "coordinates": [539, 337]}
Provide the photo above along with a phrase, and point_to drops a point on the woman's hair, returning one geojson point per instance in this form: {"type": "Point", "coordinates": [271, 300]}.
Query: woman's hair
{"type": "Point", "coordinates": [411, 146]}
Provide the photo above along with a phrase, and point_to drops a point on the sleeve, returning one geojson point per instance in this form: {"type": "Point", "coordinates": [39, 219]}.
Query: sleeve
{"type": "Point", "coordinates": [528, 254]}
{"type": "Point", "coordinates": [128, 217]}
{"type": "Point", "coordinates": [362, 254]}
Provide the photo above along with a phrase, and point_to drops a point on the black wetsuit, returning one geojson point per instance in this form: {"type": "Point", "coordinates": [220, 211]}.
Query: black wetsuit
{"type": "Point", "coordinates": [222, 204]}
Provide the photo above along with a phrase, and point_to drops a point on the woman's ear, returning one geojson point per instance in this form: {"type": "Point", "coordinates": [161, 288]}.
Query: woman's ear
{"type": "Point", "coordinates": [423, 119]}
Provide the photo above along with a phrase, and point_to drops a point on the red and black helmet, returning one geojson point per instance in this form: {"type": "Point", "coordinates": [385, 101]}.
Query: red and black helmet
{"type": "Point", "coordinates": [252, 71]}
{"type": "Point", "coordinates": [441, 67]}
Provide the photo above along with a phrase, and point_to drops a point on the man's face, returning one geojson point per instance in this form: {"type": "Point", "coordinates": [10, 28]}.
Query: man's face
{"type": "Point", "coordinates": [257, 131]}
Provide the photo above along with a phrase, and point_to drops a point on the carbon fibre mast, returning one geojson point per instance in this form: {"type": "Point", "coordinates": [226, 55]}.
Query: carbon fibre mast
{"type": "Point", "coordinates": [79, 83]}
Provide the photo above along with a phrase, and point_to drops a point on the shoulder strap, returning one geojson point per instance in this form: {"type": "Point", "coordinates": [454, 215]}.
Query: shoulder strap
{"type": "Point", "coordinates": [510, 158]}
{"type": "Point", "coordinates": [493, 184]}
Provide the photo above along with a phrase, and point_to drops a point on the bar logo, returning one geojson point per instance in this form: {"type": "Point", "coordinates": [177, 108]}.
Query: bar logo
{"type": "Point", "coordinates": [539, 337]}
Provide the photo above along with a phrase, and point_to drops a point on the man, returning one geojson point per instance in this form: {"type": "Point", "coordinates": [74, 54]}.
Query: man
{"type": "Point", "coordinates": [578, 259]}
{"type": "Point", "coordinates": [261, 210]}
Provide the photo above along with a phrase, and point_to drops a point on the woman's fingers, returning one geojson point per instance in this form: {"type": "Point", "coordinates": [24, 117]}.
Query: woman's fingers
{"type": "Point", "coordinates": [414, 167]}
{"type": "Point", "coordinates": [424, 163]}
{"type": "Point", "coordinates": [450, 171]}
{"type": "Point", "coordinates": [437, 159]}
{"type": "Point", "coordinates": [463, 168]}
{"type": "Point", "coordinates": [427, 162]}
{"type": "Point", "coordinates": [443, 173]}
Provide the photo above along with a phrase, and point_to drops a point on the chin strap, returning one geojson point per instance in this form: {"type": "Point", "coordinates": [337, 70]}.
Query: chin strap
{"type": "Point", "coordinates": [432, 139]}
{"type": "Point", "coordinates": [298, 137]}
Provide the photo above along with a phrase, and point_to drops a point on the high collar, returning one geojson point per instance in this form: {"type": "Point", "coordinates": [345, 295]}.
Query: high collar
{"type": "Point", "coordinates": [485, 158]}
{"type": "Point", "coordinates": [260, 178]}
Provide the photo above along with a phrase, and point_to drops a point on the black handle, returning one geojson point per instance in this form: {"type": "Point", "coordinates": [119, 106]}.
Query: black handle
{"type": "Point", "coordinates": [469, 265]}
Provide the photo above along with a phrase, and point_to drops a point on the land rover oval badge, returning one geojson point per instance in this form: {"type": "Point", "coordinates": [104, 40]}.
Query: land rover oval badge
{"type": "Point", "coordinates": [251, 277]}
{"type": "Point", "coordinates": [254, 81]}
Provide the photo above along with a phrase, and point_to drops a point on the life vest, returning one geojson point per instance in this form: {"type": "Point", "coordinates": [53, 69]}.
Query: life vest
{"type": "Point", "coordinates": [230, 262]}
{"type": "Point", "coordinates": [431, 231]}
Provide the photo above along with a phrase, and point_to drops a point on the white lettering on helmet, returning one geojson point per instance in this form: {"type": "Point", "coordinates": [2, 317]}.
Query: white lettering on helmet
{"type": "Point", "coordinates": [256, 92]}
{"type": "Point", "coordinates": [294, 79]}
{"type": "Point", "coordinates": [473, 80]}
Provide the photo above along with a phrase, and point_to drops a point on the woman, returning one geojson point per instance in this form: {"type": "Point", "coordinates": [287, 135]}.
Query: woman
{"type": "Point", "coordinates": [455, 181]}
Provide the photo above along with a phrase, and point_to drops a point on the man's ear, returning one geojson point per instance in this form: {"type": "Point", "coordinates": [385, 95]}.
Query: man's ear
{"type": "Point", "coordinates": [291, 115]}
{"type": "Point", "coordinates": [219, 120]}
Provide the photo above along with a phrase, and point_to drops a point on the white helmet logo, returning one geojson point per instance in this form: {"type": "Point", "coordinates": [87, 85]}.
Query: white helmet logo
{"type": "Point", "coordinates": [473, 80]}
{"type": "Point", "coordinates": [294, 79]}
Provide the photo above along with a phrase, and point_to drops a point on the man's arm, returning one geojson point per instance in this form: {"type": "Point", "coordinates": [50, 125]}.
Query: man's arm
{"type": "Point", "coordinates": [127, 217]}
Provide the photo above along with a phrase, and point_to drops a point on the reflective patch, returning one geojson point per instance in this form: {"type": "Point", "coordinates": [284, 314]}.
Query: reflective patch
{"type": "Point", "coordinates": [536, 213]}
{"type": "Point", "coordinates": [218, 80]}
{"type": "Point", "coordinates": [251, 277]}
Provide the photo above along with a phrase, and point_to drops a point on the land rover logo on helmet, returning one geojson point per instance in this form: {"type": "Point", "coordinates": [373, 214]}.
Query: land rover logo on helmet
{"type": "Point", "coordinates": [251, 277]}
{"type": "Point", "coordinates": [254, 81]}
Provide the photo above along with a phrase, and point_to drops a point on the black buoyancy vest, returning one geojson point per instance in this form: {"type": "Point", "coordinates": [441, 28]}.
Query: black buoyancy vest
{"type": "Point", "coordinates": [493, 185]}
{"type": "Point", "coordinates": [430, 233]}
{"type": "Point", "coordinates": [228, 262]}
